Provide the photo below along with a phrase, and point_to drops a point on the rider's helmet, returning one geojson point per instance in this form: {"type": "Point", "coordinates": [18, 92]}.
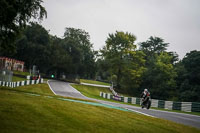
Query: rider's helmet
{"type": "Point", "coordinates": [145, 90]}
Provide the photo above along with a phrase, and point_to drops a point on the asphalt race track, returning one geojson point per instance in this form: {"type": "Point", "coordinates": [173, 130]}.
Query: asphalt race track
{"type": "Point", "coordinates": [64, 89]}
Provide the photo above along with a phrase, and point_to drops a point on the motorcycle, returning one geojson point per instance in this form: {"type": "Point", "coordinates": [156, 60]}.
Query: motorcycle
{"type": "Point", "coordinates": [146, 102]}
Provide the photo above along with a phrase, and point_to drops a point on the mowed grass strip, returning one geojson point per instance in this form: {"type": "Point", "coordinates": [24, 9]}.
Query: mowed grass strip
{"type": "Point", "coordinates": [24, 113]}
{"type": "Point", "coordinates": [15, 79]}
{"type": "Point", "coordinates": [91, 91]}
{"type": "Point", "coordinates": [93, 82]}
{"type": "Point", "coordinates": [42, 89]}
{"type": "Point", "coordinates": [21, 73]}
{"type": "Point", "coordinates": [94, 92]}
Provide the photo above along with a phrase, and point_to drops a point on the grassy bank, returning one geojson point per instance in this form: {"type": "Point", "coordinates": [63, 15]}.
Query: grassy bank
{"type": "Point", "coordinates": [42, 89]}
{"type": "Point", "coordinates": [21, 73]}
{"type": "Point", "coordinates": [26, 113]}
{"type": "Point", "coordinates": [15, 78]}
{"type": "Point", "coordinates": [93, 92]}
{"type": "Point", "coordinates": [93, 82]}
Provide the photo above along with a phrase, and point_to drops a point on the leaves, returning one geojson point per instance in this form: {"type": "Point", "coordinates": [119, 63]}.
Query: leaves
{"type": "Point", "coordinates": [14, 16]}
{"type": "Point", "coordinates": [124, 62]}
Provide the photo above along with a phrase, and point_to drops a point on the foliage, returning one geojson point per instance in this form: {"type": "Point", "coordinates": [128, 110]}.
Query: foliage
{"type": "Point", "coordinates": [14, 15]}
{"type": "Point", "coordinates": [119, 61]}
{"type": "Point", "coordinates": [160, 75]}
{"type": "Point", "coordinates": [77, 42]}
{"type": "Point", "coordinates": [153, 45]}
{"type": "Point", "coordinates": [189, 76]}
{"type": "Point", "coordinates": [123, 60]}
{"type": "Point", "coordinates": [34, 44]}
{"type": "Point", "coordinates": [72, 56]}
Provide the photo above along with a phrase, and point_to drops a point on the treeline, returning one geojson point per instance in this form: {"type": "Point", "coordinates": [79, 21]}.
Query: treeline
{"type": "Point", "coordinates": [72, 55]}
{"type": "Point", "coordinates": [130, 67]}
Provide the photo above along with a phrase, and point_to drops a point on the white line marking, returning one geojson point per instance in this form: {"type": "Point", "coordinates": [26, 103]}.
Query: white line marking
{"type": "Point", "coordinates": [140, 112]}
{"type": "Point", "coordinates": [50, 87]}
{"type": "Point", "coordinates": [105, 86]}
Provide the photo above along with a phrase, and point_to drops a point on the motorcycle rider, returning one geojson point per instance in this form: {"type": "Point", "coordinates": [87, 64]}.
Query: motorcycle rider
{"type": "Point", "coordinates": [145, 96]}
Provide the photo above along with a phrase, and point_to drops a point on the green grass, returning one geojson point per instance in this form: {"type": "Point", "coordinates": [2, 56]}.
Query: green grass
{"type": "Point", "coordinates": [42, 89]}
{"type": "Point", "coordinates": [15, 78]}
{"type": "Point", "coordinates": [21, 73]}
{"type": "Point", "coordinates": [93, 82]}
{"type": "Point", "coordinates": [94, 92]}
{"type": "Point", "coordinates": [24, 113]}
{"type": "Point", "coordinates": [91, 91]}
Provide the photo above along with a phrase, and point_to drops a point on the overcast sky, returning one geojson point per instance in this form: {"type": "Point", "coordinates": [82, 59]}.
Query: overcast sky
{"type": "Point", "coordinates": [176, 21]}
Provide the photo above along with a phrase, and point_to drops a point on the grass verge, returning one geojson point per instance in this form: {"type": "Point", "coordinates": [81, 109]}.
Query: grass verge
{"type": "Point", "coordinates": [15, 78]}
{"type": "Point", "coordinates": [93, 92]}
{"type": "Point", "coordinates": [25, 113]}
{"type": "Point", "coordinates": [93, 82]}
{"type": "Point", "coordinates": [21, 73]}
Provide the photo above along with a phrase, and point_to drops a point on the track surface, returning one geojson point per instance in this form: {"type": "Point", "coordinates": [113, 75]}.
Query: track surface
{"type": "Point", "coordinates": [64, 89]}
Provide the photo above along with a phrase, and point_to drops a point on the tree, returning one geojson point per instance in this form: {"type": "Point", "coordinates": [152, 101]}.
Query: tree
{"type": "Point", "coordinates": [124, 61]}
{"type": "Point", "coordinates": [14, 15]}
{"type": "Point", "coordinates": [161, 77]}
{"type": "Point", "coordinates": [189, 76]}
{"type": "Point", "coordinates": [33, 47]}
{"type": "Point", "coordinates": [61, 61]}
{"type": "Point", "coordinates": [160, 74]}
{"type": "Point", "coordinates": [77, 42]}
{"type": "Point", "coordinates": [153, 45]}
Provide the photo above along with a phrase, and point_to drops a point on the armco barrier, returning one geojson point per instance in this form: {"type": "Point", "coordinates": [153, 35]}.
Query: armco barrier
{"type": "Point", "coordinates": [20, 83]}
{"type": "Point", "coordinates": [170, 105]}
{"type": "Point", "coordinates": [161, 104]}
{"type": "Point", "coordinates": [195, 107]}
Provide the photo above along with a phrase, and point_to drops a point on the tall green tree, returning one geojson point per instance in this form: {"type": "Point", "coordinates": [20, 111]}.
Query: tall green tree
{"type": "Point", "coordinates": [188, 77]}
{"type": "Point", "coordinates": [14, 15]}
{"type": "Point", "coordinates": [160, 74]}
{"type": "Point", "coordinates": [124, 61]}
{"type": "Point", "coordinates": [60, 60]}
{"type": "Point", "coordinates": [153, 45]}
{"type": "Point", "coordinates": [77, 42]}
{"type": "Point", "coordinates": [161, 77]}
{"type": "Point", "coordinates": [34, 47]}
